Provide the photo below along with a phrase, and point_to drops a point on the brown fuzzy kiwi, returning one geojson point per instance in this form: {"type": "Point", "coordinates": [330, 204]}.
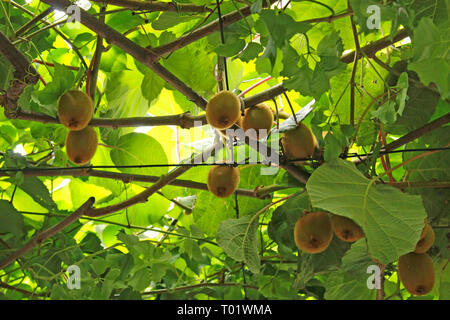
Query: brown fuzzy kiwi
{"type": "Point", "coordinates": [346, 229]}
{"type": "Point", "coordinates": [75, 110]}
{"type": "Point", "coordinates": [313, 232]}
{"type": "Point", "coordinates": [416, 273]}
{"type": "Point", "coordinates": [223, 180]}
{"type": "Point", "coordinates": [238, 122]}
{"type": "Point", "coordinates": [81, 145]}
{"type": "Point", "coordinates": [299, 143]}
{"type": "Point", "coordinates": [424, 230]}
{"type": "Point", "coordinates": [424, 244]}
{"type": "Point", "coordinates": [223, 110]}
{"type": "Point", "coordinates": [258, 117]}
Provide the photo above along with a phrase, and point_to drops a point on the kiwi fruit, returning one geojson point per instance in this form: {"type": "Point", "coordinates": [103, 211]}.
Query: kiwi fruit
{"type": "Point", "coordinates": [81, 145]}
{"type": "Point", "coordinates": [425, 243]}
{"type": "Point", "coordinates": [416, 273]}
{"type": "Point", "coordinates": [424, 230]}
{"type": "Point", "coordinates": [238, 122]}
{"type": "Point", "coordinates": [313, 232]}
{"type": "Point", "coordinates": [299, 143]}
{"type": "Point", "coordinates": [346, 229]}
{"type": "Point", "coordinates": [223, 110]}
{"type": "Point", "coordinates": [75, 110]}
{"type": "Point", "coordinates": [258, 117]}
{"type": "Point", "coordinates": [223, 180]}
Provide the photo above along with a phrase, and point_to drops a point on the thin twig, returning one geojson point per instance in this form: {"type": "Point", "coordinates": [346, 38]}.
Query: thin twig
{"type": "Point", "coordinates": [155, 5]}
{"type": "Point", "coordinates": [199, 285]}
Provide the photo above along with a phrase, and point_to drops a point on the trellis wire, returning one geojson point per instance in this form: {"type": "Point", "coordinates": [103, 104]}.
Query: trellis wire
{"type": "Point", "coordinates": [222, 36]}
{"type": "Point", "coordinates": [350, 155]}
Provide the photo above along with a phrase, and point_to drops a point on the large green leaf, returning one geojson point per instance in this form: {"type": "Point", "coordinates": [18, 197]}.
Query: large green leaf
{"type": "Point", "coordinates": [350, 282]}
{"type": "Point", "coordinates": [431, 58]}
{"type": "Point", "coordinates": [238, 238]}
{"type": "Point", "coordinates": [391, 220]}
{"type": "Point", "coordinates": [10, 219]}
{"type": "Point", "coordinates": [38, 191]}
{"type": "Point", "coordinates": [139, 149]}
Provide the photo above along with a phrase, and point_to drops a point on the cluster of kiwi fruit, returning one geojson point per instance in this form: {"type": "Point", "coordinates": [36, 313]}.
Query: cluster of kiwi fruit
{"type": "Point", "coordinates": [415, 269]}
{"type": "Point", "coordinates": [75, 110]}
{"type": "Point", "coordinates": [224, 110]}
{"type": "Point", "coordinates": [314, 230]}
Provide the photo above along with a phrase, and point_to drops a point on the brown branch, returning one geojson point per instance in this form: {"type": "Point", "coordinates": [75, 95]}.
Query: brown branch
{"type": "Point", "coordinates": [412, 135]}
{"type": "Point", "coordinates": [33, 21]}
{"type": "Point", "coordinates": [184, 120]}
{"type": "Point", "coordinates": [22, 291]}
{"type": "Point", "coordinates": [202, 32]}
{"type": "Point", "coordinates": [95, 63]}
{"type": "Point", "coordinates": [374, 47]}
{"type": "Point", "coordinates": [380, 292]}
{"type": "Point", "coordinates": [142, 55]}
{"type": "Point", "coordinates": [162, 181]}
{"type": "Point", "coordinates": [227, 19]}
{"type": "Point", "coordinates": [24, 74]}
{"type": "Point", "coordinates": [129, 177]}
{"type": "Point", "coordinates": [369, 50]}
{"type": "Point", "coordinates": [199, 285]}
{"type": "Point", "coordinates": [418, 133]}
{"type": "Point", "coordinates": [42, 236]}
{"type": "Point", "coordinates": [265, 95]}
{"type": "Point", "coordinates": [155, 5]}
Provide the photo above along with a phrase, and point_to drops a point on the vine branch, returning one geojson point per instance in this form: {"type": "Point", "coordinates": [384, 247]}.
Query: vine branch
{"type": "Point", "coordinates": [155, 5]}
{"type": "Point", "coordinates": [42, 236]}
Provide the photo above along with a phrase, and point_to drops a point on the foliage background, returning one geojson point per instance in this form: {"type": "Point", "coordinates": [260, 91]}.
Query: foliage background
{"type": "Point", "coordinates": [183, 243]}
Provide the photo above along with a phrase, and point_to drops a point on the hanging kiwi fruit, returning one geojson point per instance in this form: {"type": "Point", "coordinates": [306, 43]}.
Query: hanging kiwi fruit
{"type": "Point", "coordinates": [299, 143]}
{"type": "Point", "coordinates": [257, 117]}
{"type": "Point", "coordinates": [75, 110]}
{"type": "Point", "coordinates": [81, 145]}
{"type": "Point", "coordinates": [313, 232]}
{"type": "Point", "coordinates": [425, 243]}
{"type": "Point", "coordinates": [223, 180]}
{"type": "Point", "coordinates": [416, 273]}
{"type": "Point", "coordinates": [223, 110]}
{"type": "Point", "coordinates": [346, 229]}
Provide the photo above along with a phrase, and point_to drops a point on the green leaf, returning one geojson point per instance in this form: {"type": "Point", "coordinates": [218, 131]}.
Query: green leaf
{"type": "Point", "coordinates": [281, 26]}
{"type": "Point", "coordinates": [330, 50]}
{"type": "Point", "coordinates": [63, 80]}
{"type": "Point", "coordinates": [431, 60]}
{"type": "Point", "coordinates": [230, 49]}
{"type": "Point", "coordinates": [250, 247]}
{"type": "Point", "coordinates": [152, 85]}
{"type": "Point", "coordinates": [169, 19]}
{"type": "Point", "coordinates": [281, 226]}
{"type": "Point", "coordinates": [251, 52]}
{"type": "Point", "coordinates": [350, 282]}
{"type": "Point", "coordinates": [386, 113]}
{"type": "Point", "coordinates": [36, 189]}
{"type": "Point", "coordinates": [140, 280]}
{"type": "Point", "coordinates": [10, 220]}
{"type": "Point", "coordinates": [403, 85]}
{"type": "Point", "coordinates": [333, 147]}
{"type": "Point", "coordinates": [238, 238]}
{"type": "Point", "coordinates": [192, 65]}
{"type": "Point", "coordinates": [99, 265]}
{"type": "Point", "coordinates": [139, 149]}
{"type": "Point", "coordinates": [391, 220]}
